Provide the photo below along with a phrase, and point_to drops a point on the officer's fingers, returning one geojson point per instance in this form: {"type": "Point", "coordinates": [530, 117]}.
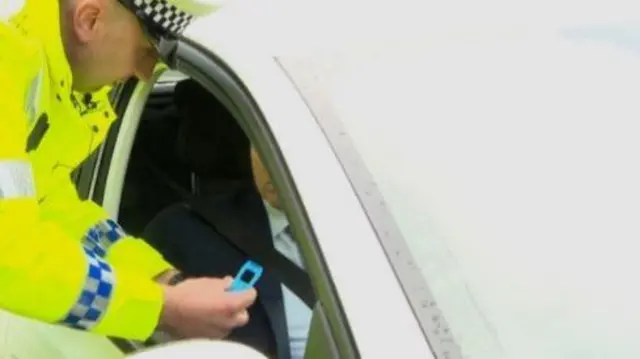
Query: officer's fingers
{"type": "Point", "coordinates": [241, 318]}
{"type": "Point", "coordinates": [223, 323]}
{"type": "Point", "coordinates": [222, 334]}
{"type": "Point", "coordinates": [234, 302]}
{"type": "Point", "coordinates": [243, 300]}
{"type": "Point", "coordinates": [226, 281]}
{"type": "Point", "coordinates": [209, 331]}
{"type": "Point", "coordinates": [230, 322]}
{"type": "Point", "coordinates": [216, 332]}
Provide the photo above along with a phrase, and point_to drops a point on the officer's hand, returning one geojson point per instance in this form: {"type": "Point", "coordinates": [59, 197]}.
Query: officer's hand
{"type": "Point", "coordinates": [202, 308]}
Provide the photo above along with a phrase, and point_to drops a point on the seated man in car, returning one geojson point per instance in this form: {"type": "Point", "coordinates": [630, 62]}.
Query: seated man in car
{"type": "Point", "coordinates": [298, 314]}
{"type": "Point", "coordinates": [230, 177]}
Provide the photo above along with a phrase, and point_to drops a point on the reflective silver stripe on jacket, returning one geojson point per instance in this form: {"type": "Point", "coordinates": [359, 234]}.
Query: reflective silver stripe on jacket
{"type": "Point", "coordinates": [16, 179]}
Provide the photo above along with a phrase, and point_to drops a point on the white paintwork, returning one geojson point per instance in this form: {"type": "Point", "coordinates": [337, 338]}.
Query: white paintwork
{"type": "Point", "coordinates": [366, 284]}
{"type": "Point", "coordinates": [522, 201]}
{"type": "Point", "coordinates": [199, 349]}
{"type": "Point", "coordinates": [23, 338]}
{"type": "Point", "coordinates": [124, 143]}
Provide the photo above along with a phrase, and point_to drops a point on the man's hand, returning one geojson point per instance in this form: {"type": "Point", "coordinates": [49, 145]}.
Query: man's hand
{"type": "Point", "coordinates": [202, 308]}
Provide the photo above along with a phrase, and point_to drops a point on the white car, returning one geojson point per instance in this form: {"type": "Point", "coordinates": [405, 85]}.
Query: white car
{"type": "Point", "coordinates": [462, 176]}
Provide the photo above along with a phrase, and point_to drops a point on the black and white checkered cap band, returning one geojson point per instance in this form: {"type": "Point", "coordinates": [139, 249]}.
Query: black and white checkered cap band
{"type": "Point", "coordinates": [164, 15]}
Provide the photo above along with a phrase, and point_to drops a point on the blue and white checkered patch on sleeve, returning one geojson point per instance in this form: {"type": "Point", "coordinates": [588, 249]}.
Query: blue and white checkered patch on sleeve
{"type": "Point", "coordinates": [102, 236]}
{"type": "Point", "coordinates": [95, 296]}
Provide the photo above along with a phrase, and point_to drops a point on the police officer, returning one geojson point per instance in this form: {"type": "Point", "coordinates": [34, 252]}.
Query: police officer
{"type": "Point", "coordinates": [62, 259]}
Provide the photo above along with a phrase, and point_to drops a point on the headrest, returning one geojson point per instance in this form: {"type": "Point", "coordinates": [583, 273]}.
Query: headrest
{"type": "Point", "coordinates": [210, 141]}
{"type": "Point", "coordinates": [169, 18]}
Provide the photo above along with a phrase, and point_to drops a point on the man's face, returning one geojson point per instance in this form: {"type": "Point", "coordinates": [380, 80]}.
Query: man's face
{"type": "Point", "coordinates": [107, 44]}
{"type": "Point", "coordinates": [263, 182]}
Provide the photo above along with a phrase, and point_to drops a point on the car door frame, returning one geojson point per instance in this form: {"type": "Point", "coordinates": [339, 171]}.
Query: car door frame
{"type": "Point", "coordinates": [337, 281]}
{"type": "Point", "coordinates": [278, 121]}
{"type": "Point", "coordinates": [93, 179]}
{"type": "Point", "coordinates": [329, 319]}
{"type": "Point", "coordinates": [97, 174]}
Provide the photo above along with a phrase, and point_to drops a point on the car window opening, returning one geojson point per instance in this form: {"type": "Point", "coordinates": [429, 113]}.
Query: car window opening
{"type": "Point", "coordinates": [189, 151]}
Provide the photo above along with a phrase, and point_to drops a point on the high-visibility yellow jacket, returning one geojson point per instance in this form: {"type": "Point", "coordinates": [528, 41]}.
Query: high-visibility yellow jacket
{"type": "Point", "coordinates": [62, 260]}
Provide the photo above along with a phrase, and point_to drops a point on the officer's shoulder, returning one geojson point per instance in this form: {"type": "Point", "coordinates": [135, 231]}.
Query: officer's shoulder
{"type": "Point", "coordinates": [18, 53]}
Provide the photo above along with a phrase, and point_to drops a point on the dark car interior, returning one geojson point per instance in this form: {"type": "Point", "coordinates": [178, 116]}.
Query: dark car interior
{"type": "Point", "coordinates": [173, 149]}
{"type": "Point", "coordinates": [154, 159]}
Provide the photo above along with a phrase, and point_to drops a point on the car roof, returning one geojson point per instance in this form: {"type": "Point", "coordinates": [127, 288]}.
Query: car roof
{"type": "Point", "coordinates": [331, 38]}
{"type": "Point", "coordinates": [284, 27]}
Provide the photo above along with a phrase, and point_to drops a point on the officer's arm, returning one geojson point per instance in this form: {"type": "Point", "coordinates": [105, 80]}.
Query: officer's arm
{"type": "Point", "coordinates": [86, 219]}
{"type": "Point", "coordinates": [45, 273]}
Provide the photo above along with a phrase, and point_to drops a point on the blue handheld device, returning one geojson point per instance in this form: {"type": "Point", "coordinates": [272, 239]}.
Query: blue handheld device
{"type": "Point", "coordinates": [247, 277]}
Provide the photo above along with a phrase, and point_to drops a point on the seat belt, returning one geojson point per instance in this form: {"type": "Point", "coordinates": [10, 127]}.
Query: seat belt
{"type": "Point", "coordinates": [294, 277]}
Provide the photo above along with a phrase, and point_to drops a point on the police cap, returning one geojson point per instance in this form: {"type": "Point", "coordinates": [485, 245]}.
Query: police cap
{"type": "Point", "coordinates": [164, 19]}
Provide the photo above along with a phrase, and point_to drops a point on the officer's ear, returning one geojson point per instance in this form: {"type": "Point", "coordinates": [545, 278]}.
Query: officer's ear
{"type": "Point", "coordinates": [87, 18]}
